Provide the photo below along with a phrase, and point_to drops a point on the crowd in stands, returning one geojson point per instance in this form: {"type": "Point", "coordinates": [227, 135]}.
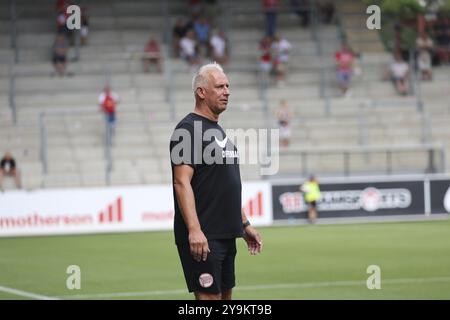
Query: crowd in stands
{"type": "Point", "coordinates": [65, 37]}
{"type": "Point", "coordinates": [196, 37]}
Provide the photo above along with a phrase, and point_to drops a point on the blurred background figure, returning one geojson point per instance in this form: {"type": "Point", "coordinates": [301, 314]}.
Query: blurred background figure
{"type": "Point", "coordinates": [219, 47]}
{"type": "Point", "coordinates": [8, 168]}
{"type": "Point", "coordinates": [399, 74]}
{"type": "Point", "coordinates": [108, 101]}
{"type": "Point", "coordinates": [284, 115]}
{"type": "Point", "coordinates": [189, 49]}
{"type": "Point", "coordinates": [301, 9]}
{"type": "Point", "coordinates": [60, 49]}
{"type": "Point", "coordinates": [280, 50]}
{"type": "Point", "coordinates": [270, 8]}
{"type": "Point", "coordinates": [424, 46]}
{"type": "Point", "coordinates": [344, 59]}
{"type": "Point", "coordinates": [152, 55]}
{"type": "Point", "coordinates": [178, 33]}
{"type": "Point", "coordinates": [202, 30]}
{"type": "Point", "coordinates": [84, 31]}
{"type": "Point", "coordinates": [311, 193]}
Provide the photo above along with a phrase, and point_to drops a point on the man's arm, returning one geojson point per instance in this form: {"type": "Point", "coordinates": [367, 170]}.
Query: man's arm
{"type": "Point", "coordinates": [251, 236]}
{"type": "Point", "coordinates": [185, 196]}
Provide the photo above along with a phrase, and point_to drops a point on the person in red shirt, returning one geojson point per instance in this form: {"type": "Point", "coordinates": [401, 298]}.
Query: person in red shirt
{"type": "Point", "coordinates": [152, 54]}
{"type": "Point", "coordinates": [344, 60]}
{"type": "Point", "coordinates": [108, 101]}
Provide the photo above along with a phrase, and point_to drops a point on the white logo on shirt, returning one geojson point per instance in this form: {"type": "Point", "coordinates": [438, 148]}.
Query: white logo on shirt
{"type": "Point", "coordinates": [221, 143]}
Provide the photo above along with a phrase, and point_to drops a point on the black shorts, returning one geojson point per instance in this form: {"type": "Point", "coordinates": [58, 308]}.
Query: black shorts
{"type": "Point", "coordinates": [312, 204]}
{"type": "Point", "coordinates": [59, 58]}
{"type": "Point", "coordinates": [214, 275]}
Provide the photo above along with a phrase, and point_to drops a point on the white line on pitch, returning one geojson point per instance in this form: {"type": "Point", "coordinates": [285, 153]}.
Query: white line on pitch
{"type": "Point", "coordinates": [26, 294]}
{"type": "Point", "coordinates": [259, 287]}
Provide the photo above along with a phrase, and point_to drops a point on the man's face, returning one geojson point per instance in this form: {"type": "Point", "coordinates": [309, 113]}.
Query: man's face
{"type": "Point", "coordinates": [217, 92]}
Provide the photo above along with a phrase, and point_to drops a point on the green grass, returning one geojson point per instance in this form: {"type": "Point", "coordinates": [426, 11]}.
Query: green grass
{"type": "Point", "coordinates": [313, 260]}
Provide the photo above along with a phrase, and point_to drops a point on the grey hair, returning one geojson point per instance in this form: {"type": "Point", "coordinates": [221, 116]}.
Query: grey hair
{"type": "Point", "coordinates": [200, 78]}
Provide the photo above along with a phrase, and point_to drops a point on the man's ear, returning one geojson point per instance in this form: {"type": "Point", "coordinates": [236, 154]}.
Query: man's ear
{"type": "Point", "coordinates": [201, 92]}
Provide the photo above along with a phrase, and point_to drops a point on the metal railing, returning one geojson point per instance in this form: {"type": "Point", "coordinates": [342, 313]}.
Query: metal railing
{"type": "Point", "coordinates": [436, 157]}
{"type": "Point", "coordinates": [43, 129]}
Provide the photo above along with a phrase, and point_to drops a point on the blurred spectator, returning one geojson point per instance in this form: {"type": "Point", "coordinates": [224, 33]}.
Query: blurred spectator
{"type": "Point", "coordinates": [311, 192]}
{"type": "Point", "coordinates": [280, 48]}
{"type": "Point", "coordinates": [202, 28]}
{"type": "Point", "coordinates": [211, 10]}
{"type": "Point", "coordinates": [178, 32]}
{"type": "Point", "coordinates": [152, 54]}
{"type": "Point", "coordinates": [195, 6]}
{"type": "Point", "coordinates": [424, 46]}
{"type": "Point", "coordinates": [188, 49]}
{"type": "Point", "coordinates": [108, 101]}
{"type": "Point", "coordinates": [61, 19]}
{"type": "Point", "coordinates": [442, 31]}
{"type": "Point", "coordinates": [301, 8]}
{"type": "Point", "coordinates": [326, 9]}
{"type": "Point", "coordinates": [344, 59]}
{"type": "Point", "coordinates": [284, 116]}
{"type": "Point", "coordinates": [265, 60]}
{"type": "Point", "coordinates": [60, 49]}
{"type": "Point", "coordinates": [8, 168]}
{"type": "Point", "coordinates": [84, 31]}
{"type": "Point", "coordinates": [60, 5]}
{"type": "Point", "coordinates": [270, 8]}
{"type": "Point", "coordinates": [219, 47]}
{"type": "Point", "coordinates": [399, 72]}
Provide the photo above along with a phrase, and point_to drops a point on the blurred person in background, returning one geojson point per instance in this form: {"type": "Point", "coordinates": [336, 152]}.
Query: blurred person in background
{"type": "Point", "coordinates": [189, 49]}
{"type": "Point", "coordinates": [301, 9]}
{"type": "Point", "coordinates": [178, 33]}
{"type": "Point", "coordinates": [108, 101]}
{"type": "Point", "coordinates": [60, 49]}
{"type": "Point", "coordinates": [280, 50]}
{"type": "Point", "coordinates": [152, 55]}
{"type": "Point", "coordinates": [344, 60]}
{"type": "Point", "coordinates": [219, 47]}
{"type": "Point", "coordinates": [284, 115]}
{"type": "Point", "coordinates": [8, 168]}
{"type": "Point", "coordinates": [202, 30]}
{"type": "Point", "coordinates": [84, 31]}
{"type": "Point", "coordinates": [311, 193]}
{"type": "Point", "coordinates": [265, 58]}
{"type": "Point", "coordinates": [424, 46]}
{"type": "Point", "coordinates": [398, 72]}
{"type": "Point", "coordinates": [270, 8]}
{"type": "Point", "coordinates": [442, 32]}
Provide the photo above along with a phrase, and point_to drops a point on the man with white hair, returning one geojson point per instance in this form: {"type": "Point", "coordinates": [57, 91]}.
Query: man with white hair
{"type": "Point", "coordinates": [207, 192]}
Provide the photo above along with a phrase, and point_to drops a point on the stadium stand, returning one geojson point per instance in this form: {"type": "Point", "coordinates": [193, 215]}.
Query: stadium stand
{"type": "Point", "coordinates": [56, 131]}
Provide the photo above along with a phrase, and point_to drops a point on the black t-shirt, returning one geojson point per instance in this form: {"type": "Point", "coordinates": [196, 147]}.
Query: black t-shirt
{"type": "Point", "coordinates": [7, 164]}
{"type": "Point", "coordinates": [202, 144]}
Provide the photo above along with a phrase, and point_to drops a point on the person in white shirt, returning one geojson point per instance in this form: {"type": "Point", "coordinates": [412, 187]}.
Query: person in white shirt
{"type": "Point", "coordinates": [399, 71]}
{"type": "Point", "coordinates": [424, 46]}
{"type": "Point", "coordinates": [219, 47]}
{"type": "Point", "coordinates": [281, 49]}
{"type": "Point", "coordinates": [188, 46]}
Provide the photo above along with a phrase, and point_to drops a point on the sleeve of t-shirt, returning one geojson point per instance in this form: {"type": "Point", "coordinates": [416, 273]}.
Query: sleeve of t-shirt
{"type": "Point", "coordinates": [101, 98]}
{"type": "Point", "coordinates": [182, 146]}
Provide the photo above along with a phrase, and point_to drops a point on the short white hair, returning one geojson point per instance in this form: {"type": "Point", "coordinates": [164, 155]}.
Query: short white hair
{"type": "Point", "coordinates": [200, 77]}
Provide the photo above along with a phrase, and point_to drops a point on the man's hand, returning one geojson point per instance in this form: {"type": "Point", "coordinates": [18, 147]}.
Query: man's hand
{"type": "Point", "coordinates": [253, 239]}
{"type": "Point", "coordinates": [198, 245]}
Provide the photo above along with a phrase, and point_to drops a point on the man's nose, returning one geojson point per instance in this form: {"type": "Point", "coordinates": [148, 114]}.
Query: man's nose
{"type": "Point", "coordinates": [226, 91]}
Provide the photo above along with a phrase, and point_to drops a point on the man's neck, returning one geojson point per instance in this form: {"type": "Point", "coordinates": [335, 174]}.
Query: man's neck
{"type": "Point", "coordinates": [207, 113]}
